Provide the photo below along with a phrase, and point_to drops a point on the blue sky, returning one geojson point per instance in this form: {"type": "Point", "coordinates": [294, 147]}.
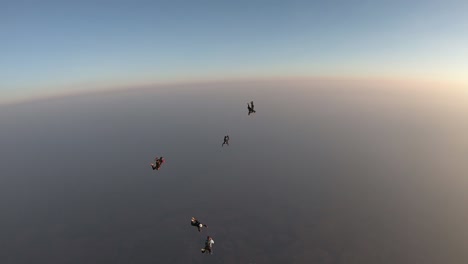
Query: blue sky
{"type": "Point", "coordinates": [53, 47]}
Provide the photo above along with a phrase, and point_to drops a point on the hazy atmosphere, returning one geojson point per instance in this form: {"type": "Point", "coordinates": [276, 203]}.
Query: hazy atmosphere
{"type": "Point", "coordinates": [322, 173]}
{"type": "Point", "coordinates": [357, 152]}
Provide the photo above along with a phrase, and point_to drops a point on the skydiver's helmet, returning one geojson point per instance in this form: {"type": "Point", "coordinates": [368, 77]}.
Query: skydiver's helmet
{"type": "Point", "coordinates": [200, 225]}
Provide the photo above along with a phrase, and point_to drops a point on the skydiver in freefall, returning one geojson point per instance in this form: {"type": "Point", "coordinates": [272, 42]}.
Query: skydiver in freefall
{"type": "Point", "coordinates": [195, 222]}
{"type": "Point", "coordinates": [226, 140]}
{"type": "Point", "coordinates": [208, 245]}
{"type": "Point", "coordinates": [158, 163]}
{"type": "Point", "coordinates": [251, 108]}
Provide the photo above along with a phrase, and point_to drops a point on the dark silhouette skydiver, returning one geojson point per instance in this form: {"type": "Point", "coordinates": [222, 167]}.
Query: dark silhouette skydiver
{"type": "Point", "coordinates": [226, 140]}
{"type": "Point", "coordinates": [157, 163]}
{"type": "Point", "coordinates": [195, 222]}
{"type": "Point", "coordinates": [208, 245]}
{"type": "Point", "coordinates": [251, 108]}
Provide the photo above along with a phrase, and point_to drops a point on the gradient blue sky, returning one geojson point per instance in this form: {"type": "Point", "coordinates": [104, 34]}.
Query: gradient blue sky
{"type": "Point", "coordinates": [55, 47]}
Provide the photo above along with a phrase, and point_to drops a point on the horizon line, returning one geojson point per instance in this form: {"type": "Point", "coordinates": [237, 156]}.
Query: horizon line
{"type": "Point", "coordinates": [128, 86]}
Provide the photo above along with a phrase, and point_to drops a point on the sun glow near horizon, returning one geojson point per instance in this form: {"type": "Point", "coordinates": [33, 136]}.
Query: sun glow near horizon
{"type": "Point", "coordinates": [131, 45]}
{"type": "Point", "coordinates": [442, 85]}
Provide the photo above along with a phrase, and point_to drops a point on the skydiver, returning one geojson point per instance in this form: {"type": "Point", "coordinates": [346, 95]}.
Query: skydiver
{"type": "Point", "coordinates": [226, 140]}
{"type": "Point", "coordinates": [208, 245]}
{"type": "Point", "coordinates": [249, 108]}
{"type": "Point", "coordinates": [195, 222]}
{"type": "Point", "coordinates": [158, 163]}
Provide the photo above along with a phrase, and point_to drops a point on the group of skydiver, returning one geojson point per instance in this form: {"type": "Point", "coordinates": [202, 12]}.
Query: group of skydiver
{"type": "Point", "coordinates": [194, 222]}
{"type": "Point", "coordinates": [209, 240]}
